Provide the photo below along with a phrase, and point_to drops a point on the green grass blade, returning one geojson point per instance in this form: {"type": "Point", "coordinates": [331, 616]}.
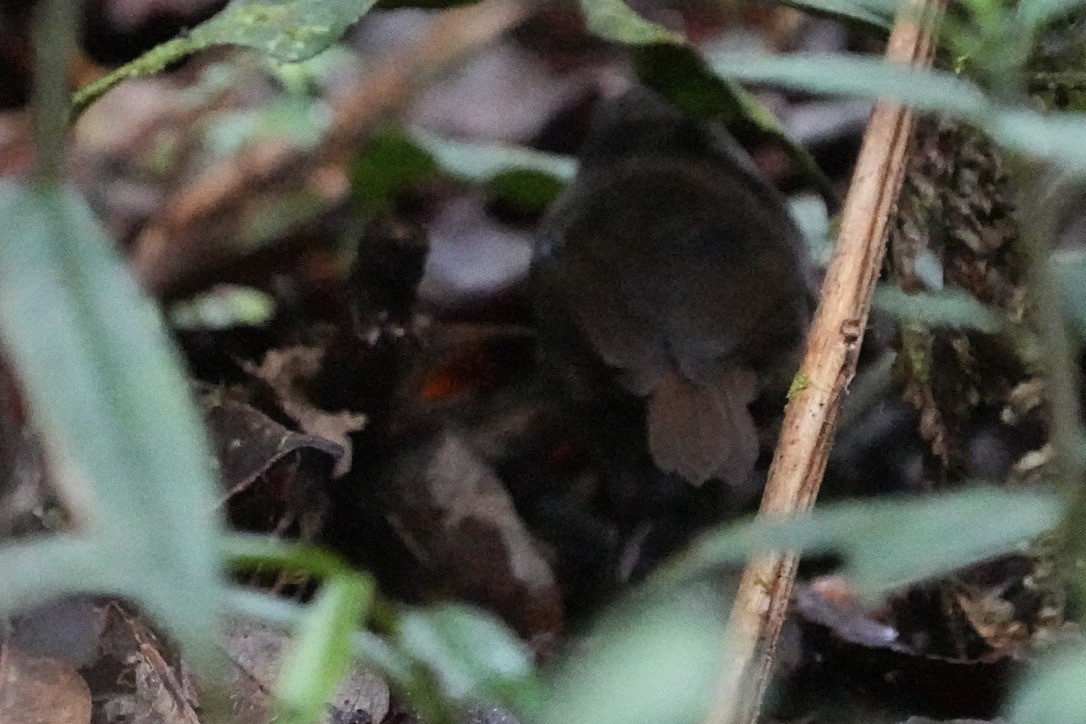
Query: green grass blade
{"type": "Point", "coordinates": [866, 77]}
{"type": "Point", "coordinates": [41, 569]}
{"type": "Point", "coordinates": [474, 656]}
{"type": "Point", "coordinates": [943, 308]}
{"type": "Point", "coordinates": [481, 162]}
{"type": "Point", "coordinates": [1055, 137]}
{"type": "Point", "coordinates": [252, 551]}
{"type": "Point", "coordinates": [892, 542]}
{"type": "Point", "coordinates": [104, 387]}
{"type": "Point", "coordinates": [320, 652]}
{"type": "Point", "coordinates": [646, 661]}
{"type": "Point", "coordinates": [614, 20]}
{"type": "Point", "coordinates": [1052, 690]}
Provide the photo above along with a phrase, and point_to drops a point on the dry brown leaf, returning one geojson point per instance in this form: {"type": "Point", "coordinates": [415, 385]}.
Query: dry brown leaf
{"type": "Point", "coordinates": [455, 515]}
{"type": "Point", "coordinates": [993, 618]}
{"type": "Point", "coordinates": [285, 370]}
{"type": "Point", "coordinates": [41, 690]}
{"type": "Point", "coordinates": [147, 685]}
{"type": "Point", "coordinates": [255, 653]}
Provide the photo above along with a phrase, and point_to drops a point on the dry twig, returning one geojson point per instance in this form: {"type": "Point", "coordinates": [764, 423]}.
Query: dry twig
{"type": "Point", "coordinates": [828, 367]}
{"type": "Point", "coordinates": [209, 206]}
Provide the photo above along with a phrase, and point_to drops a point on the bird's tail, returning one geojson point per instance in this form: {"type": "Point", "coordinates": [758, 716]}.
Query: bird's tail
{"type": "Point", "coordinates": [703, 429]}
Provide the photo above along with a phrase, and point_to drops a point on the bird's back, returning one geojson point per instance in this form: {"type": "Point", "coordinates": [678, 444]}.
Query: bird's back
{"type": "Point", "coordinates": [675, 262]}
{"type": "Point", "coordinates": [672, 263]}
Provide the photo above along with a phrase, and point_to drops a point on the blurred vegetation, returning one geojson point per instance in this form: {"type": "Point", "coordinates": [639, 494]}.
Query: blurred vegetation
{"type": "Point", "coordinates": [126, 446]}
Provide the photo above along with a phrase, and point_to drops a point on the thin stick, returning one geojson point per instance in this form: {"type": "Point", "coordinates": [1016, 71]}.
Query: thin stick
{"type": "Point", "coordinates": [828, 367]}
{"type": "Point", "coordinates": [55, 25]}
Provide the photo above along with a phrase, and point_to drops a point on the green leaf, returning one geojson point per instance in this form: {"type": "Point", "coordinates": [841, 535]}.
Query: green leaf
{"type": "Point", "coordinates": [527, 190]}
{"type": "Point", "coordinates": [390, 163]}
{"type": "Point", "coordinates": [1069, 268]}
{"type": "Point", "coordinates": [1037, 13]}
{"type": "Point", "coordinates": [427, 4]}
{"type": "Point", "coordinates": [41, 569]}
{"type": "Point", "coordinates": [253, 551]}
{"type": "Point", "coordinates": [223, 307]}
{"type": "Point", "coordinates": [481, 162]}
{"type": "Point", "coordinates": [279, 613]}
{"type": "Point", "coordinates": [947, 308]}
{"type": "Point", "coordinates": [645, 663]}
{"type": "Point", "coordinates": [394, 161]}
{"type": "Point", "coordinates": [614, 20]}
{"type": "Point", "coordinates": [863, 76]}
{"type": "Point", "coordinates": [679, 74]}
{"type": "Point", "coordinates": [104, 386]}
{"type": "Point", "coordinates": [1053, 692]}
{"type": "Point", "coordinates": [876, 13]}
{"type": "Point", "coordinates": [320, 651]}
{"type": "Point", "coordinates": [367, 648]}
{"type": "Point", "coordinates": [1056, 137]}
{"type": "Point", "coordinates": [473, 656]}
{"type": "Point", "coordinates": [286, 30]}
{"type": "Point", "coordinates": [673, 68]}
{"type": "Point", "coordinates": [890, 543]}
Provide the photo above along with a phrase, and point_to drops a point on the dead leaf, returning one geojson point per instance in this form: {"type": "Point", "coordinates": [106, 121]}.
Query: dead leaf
{"type": "Point", "coordinates": [874, 657]}
{"type": "Point", "coordinates": [41, 690]}
{"type": "Point", "coordinates": [66, 628]}
{"type": "Point", "coordinates": [454, 514]}
{"type": "Point", "coordinates": [994, 619]}
{"type": "Point", "coordinates": [248, 442]}
{"type": "Point", "coordinates": [285, 371]}
{"type": "Point", "coordinates": [134, 680]}
{"type": "Point", "coordinates": [256, 652]}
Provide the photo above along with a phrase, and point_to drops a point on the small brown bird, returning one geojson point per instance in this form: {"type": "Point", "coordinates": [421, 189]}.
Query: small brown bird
{"type": "Point", "coordinates": [683, 273]}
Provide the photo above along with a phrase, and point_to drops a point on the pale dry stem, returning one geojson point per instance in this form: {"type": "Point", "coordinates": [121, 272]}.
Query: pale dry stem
{"type": "Point", "coordinates": [828, 366]}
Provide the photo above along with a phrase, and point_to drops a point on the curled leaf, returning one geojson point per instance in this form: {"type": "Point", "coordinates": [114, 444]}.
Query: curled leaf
{"type": "Point", "coordinates": [614, 20]}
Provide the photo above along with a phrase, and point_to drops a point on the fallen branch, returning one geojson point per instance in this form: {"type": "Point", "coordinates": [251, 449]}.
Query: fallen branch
{"type": "Point", "coordinates": [828, 367]}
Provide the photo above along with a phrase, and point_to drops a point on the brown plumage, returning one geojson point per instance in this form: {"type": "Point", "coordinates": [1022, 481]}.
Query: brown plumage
{"type": "Point", "coordinates": [683, 273]}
